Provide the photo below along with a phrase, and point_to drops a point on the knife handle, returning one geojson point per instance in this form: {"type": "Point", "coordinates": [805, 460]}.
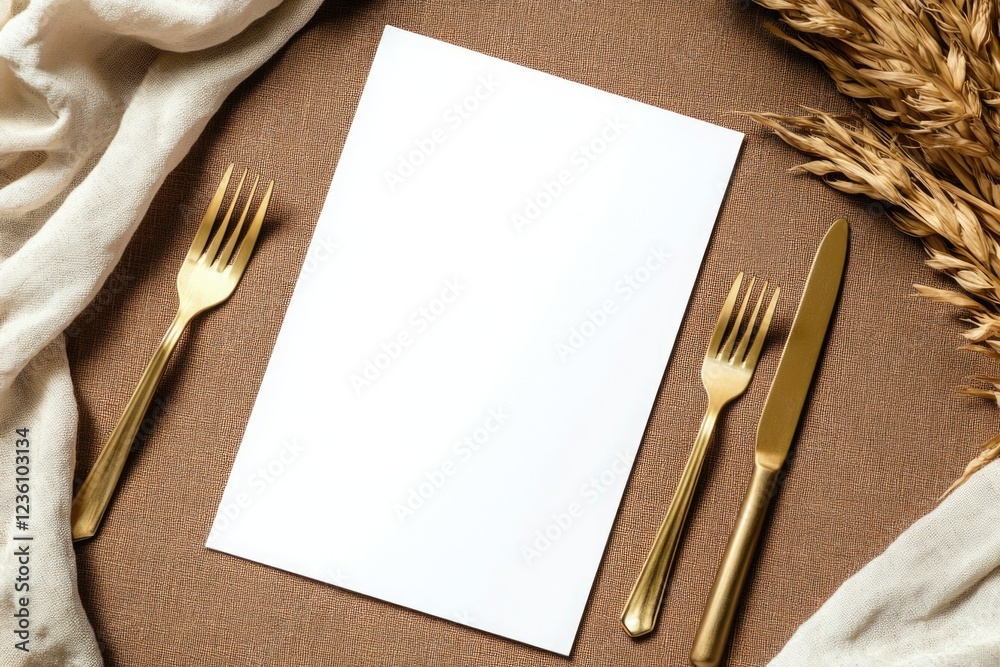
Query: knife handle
{"type": "Point", "coordinates": [713, 631]}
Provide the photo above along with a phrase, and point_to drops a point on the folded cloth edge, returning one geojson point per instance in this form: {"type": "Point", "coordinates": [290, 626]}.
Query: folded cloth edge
{"type": "Point", "coordinates": [932, 598]}
{"type": "Point", "coordinates": [49, 279]}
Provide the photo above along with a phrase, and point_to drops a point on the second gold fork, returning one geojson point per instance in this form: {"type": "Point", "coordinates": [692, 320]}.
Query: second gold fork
{"type": "Point", "coordinates": [725, 373]}
{"type": "Point", "coordinates": [206, 279]}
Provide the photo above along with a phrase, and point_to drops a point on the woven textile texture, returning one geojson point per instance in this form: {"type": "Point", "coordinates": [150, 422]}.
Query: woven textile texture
{"type": "Point", "coordinates": [884, 433]}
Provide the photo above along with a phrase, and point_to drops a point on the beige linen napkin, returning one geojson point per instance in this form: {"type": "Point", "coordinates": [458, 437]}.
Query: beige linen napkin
{"type": "Point", "coordinates": [99, 100]}
{"type": "Point", "coordinates": [931, 600]}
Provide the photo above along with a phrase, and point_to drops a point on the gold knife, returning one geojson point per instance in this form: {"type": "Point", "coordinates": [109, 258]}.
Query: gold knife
{"type": "Point", "coordinates": [775, 431]}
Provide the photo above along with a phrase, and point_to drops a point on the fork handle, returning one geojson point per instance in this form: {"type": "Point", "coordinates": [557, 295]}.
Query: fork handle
{"type": "Point", "coordinates": [643, 606]}
{"type": "Point", "coordinates": [713, 631]}
{"type": "Point", "coordinates": [92, 498]}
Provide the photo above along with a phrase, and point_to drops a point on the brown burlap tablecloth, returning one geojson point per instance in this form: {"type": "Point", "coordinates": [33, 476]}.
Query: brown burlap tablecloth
{"type": "Point", "coordinates": [884, 432]}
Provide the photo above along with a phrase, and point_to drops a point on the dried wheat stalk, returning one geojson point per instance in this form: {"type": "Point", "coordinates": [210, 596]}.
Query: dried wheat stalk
{"type": "Point", "coordinates": [928, 73]}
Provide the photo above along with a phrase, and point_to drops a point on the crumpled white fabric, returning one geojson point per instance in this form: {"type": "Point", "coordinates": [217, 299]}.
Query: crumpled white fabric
{"type": "Point", "coordinates": [931, 600]}
{"type": "Point", "coordinates": [99, 101]}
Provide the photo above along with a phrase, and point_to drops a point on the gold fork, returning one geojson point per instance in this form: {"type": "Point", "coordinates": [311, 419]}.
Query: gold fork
{"type": "Point", "coordinates": [206, 279]}
{"type": "Point", "coordinates": [726, 373]}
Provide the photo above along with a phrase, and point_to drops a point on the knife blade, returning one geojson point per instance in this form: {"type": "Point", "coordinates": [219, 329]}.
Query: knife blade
{"type": "Point", "coordinates": [775, 432]}
{"type": "Point", "coordinates": [791, 382]}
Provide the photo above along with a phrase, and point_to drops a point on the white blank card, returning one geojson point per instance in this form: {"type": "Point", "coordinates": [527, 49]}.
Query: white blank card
{"type": "Point", "coordinates": [475, 342]}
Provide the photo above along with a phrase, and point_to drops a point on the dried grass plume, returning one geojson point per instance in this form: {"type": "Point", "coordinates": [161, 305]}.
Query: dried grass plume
{"type": "Point", "coordinates": [928, 76]}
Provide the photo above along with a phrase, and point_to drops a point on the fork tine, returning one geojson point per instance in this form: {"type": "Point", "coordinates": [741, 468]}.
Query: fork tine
{"type": "Point", "coordinates": [227, 251]}
{"type": "Point", "coordinates": [213, 246]}
{"type": "Point", "coordinates": [731, 339]}
{"type": "Point", "coordinates": [745, 340]}
{"type": "Point", "coordinates": [727, 310]}
{"type": "Point", "coordinates": [250, 240]}
{"type": "Point", "coordinates": [201, 237]}
{"type": "Point", "coordinates": [758, 341]}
